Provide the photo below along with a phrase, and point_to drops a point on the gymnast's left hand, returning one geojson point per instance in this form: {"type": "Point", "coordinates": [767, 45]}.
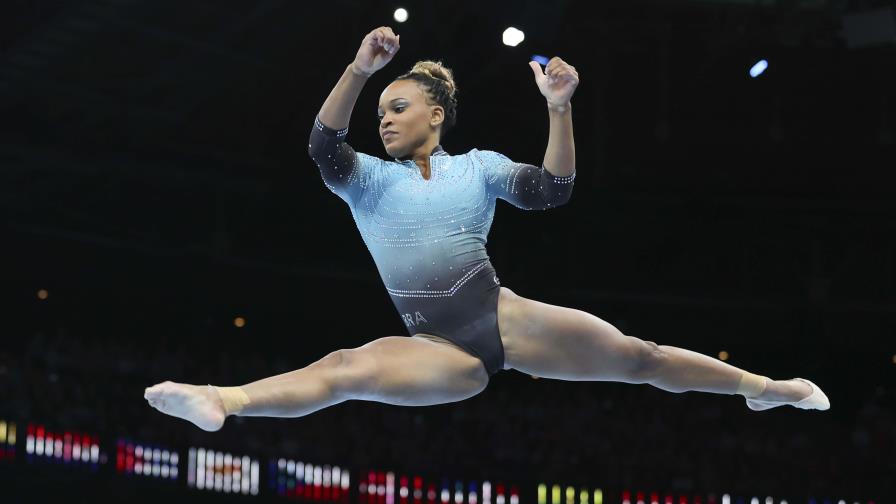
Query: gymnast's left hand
{"type": "Point", "coordinates": [557, 82]}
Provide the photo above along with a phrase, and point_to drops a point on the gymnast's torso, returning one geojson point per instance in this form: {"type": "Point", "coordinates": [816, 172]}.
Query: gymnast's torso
{"type": "Point", "coordinates": [428, 237]}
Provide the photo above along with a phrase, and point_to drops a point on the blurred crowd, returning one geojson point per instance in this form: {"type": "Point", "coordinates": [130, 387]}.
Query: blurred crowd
{"type": "Point", "coordinates": [520, 429]}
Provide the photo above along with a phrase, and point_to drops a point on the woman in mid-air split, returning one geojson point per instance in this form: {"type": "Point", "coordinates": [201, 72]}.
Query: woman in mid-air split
{"type": "Point", "coordinates": [425, 215]}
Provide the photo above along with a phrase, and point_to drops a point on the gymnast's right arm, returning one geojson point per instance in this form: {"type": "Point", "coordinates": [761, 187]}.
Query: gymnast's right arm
{"type": "Point", "coordinates": [337, 161]}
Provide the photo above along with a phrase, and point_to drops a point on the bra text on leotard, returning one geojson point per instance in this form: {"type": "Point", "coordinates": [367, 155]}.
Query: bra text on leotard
{"type": "Point", "coordinates": [414, 319]}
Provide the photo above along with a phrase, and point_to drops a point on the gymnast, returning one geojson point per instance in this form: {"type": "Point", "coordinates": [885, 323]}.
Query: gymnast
{"type": "Point", "coordinates": [424, 216]}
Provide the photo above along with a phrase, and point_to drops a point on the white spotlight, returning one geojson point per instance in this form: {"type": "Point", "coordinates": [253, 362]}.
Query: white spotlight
{"type": "Point", "coordinates": [512, 37]}
{"type": "Point", "coordinates": [401, 15]}
{"type": "Point", "coordinates": [758, 68]}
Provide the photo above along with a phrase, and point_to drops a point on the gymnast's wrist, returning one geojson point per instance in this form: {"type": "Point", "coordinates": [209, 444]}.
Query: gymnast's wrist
{"type": "Point", "coordinates": [357, 71]}
{"type": "Point", "coordinates": [559, 107]}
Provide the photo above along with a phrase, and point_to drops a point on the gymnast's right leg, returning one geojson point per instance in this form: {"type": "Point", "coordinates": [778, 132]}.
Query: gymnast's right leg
{"type": "Point", "coordinates": [396, 370]}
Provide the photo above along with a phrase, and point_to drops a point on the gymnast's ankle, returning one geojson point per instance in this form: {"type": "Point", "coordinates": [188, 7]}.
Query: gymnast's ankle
{"type": "Point", "coordinates": [234, 399]}
{"type": "Point", "coordinates": [751, 385]}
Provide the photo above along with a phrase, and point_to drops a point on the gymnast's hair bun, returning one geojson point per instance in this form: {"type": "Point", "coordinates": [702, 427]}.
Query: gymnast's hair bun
{"type": "Point", "coordinates": [435, 70]}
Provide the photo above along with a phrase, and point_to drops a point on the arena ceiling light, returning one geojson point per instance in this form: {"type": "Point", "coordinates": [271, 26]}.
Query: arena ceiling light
{"type": "Point", "coordinates": [758, 68]}
{"type": "Point", "coordinates": [512, 37]}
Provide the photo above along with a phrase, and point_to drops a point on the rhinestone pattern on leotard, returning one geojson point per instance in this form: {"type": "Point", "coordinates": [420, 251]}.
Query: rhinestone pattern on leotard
{"type": "Point", "coordinates": [428, 236]}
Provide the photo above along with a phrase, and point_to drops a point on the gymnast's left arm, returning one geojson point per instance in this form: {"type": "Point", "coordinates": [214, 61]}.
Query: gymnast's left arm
{"type": "Point", "coordinates": [532, 187]}
{"type": "Point", "coordinates": [557, 83]}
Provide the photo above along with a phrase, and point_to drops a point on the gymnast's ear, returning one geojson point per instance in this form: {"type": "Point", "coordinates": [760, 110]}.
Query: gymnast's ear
{"type": "Point", "coordinates": [437, 116]}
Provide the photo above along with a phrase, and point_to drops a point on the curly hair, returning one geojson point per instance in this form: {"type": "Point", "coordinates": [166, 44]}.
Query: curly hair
{"type": "Point", "coordinates": [438, 82]}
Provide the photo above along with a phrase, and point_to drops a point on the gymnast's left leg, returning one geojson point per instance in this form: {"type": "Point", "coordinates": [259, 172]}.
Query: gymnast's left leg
{"type": "Point", "coordinates": [568, 344]}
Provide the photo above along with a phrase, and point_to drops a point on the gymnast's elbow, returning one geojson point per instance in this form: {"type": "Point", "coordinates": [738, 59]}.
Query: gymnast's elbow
{"type": "Point", "coordinates": [315, 144]}
{"type": "Point", "coordinates": [321, 145]}
{"type": "Point", "coordinates": [558, 199]}
{"type": "Point", "coordinates": [556, 190]}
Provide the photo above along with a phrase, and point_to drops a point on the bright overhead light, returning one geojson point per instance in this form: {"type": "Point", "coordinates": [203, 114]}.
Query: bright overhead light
{"type": "Point", "coordinates": [512, 37]}
{"type": "Point", "coordinates": [758, 68]}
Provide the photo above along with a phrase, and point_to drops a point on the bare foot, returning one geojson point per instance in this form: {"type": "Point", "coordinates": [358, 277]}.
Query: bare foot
{"type": "Point", "coordinates": [199, 404]}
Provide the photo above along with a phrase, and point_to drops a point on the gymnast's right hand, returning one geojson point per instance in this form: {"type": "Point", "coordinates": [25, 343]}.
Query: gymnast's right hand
{"type": "Point", "coordinates": [377, 49]}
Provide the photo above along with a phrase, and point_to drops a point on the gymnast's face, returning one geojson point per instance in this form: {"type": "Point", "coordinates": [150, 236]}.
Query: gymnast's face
{"type": "Point", "coordinates": [408, 117]}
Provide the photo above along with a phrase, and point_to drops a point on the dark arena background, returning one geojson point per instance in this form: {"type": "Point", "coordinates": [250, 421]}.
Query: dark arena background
{"type": "Point", "coordinates": [163, 221]}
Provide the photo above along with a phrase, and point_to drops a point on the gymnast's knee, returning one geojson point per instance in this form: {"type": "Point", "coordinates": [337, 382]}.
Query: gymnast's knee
{"type": "Point", "coordinates": [346, 372]}
{"type": "Point", "coordinates": [648, 362]}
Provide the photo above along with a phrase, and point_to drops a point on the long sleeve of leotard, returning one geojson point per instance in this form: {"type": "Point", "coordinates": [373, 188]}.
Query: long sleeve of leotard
{"type": "Point", "coordinates": [523, 185]}
{"type": "Point", "coordinates": [340, 166]}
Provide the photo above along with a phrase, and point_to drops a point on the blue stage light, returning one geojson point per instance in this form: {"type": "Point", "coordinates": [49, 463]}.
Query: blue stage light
{"type": "Point", "coordinates": [758, 68]}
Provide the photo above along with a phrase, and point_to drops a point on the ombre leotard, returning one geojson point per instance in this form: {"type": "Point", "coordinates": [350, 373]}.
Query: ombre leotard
{"type": "Point", "coordinates": [427, 237]}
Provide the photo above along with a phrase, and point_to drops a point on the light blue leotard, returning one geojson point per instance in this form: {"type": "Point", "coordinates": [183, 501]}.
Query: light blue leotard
{"type": "Point", "coordinates": [427, 237]}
